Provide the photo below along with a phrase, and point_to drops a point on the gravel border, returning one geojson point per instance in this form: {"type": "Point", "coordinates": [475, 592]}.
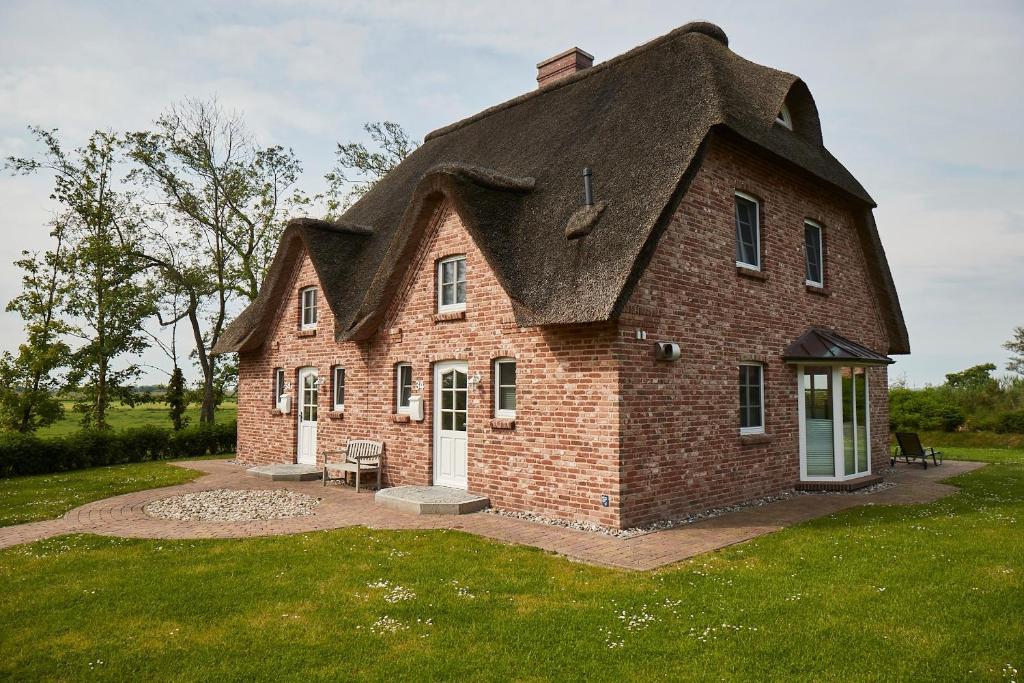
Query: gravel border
{"type": "Point", "coordinates": [682, 521]}
{"type": "Point", "coordinates": [233, 505]}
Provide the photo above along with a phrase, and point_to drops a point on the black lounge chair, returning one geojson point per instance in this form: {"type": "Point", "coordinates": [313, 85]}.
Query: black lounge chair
{"type": "Point", "coordinates": [910, 449]}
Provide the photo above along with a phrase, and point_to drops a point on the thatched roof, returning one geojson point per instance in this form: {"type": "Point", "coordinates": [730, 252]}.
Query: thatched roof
{"type": "Point", "coordinates": [513, 172]}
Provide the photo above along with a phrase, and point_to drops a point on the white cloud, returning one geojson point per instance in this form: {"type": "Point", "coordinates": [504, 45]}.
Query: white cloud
{"type": "Point", "coordinates": [918, 99]}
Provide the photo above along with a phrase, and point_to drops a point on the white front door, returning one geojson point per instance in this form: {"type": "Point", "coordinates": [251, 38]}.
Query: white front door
{"type": "Point", "coordinates": [451, 396]}
{"type": "Point", "coordinates": [308, 399]}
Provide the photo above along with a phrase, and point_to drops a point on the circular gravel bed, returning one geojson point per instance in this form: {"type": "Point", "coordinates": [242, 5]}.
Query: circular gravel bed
{"type": "Point", "coordinates": [233, 505]}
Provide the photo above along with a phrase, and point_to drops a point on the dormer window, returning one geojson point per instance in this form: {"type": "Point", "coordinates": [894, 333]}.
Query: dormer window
{"type": "Point", "coordinates": [784, 118]}
{"type": "Point", "coordinates": [307, 298]}
{"type": "Point", "coordinates": [451, 284]}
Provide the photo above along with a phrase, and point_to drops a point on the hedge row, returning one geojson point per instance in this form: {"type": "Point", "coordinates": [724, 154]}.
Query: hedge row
{"type": "Point", "coordinates": [27, 454]}
{"type": "Point", "coordinates": [1005, 423]}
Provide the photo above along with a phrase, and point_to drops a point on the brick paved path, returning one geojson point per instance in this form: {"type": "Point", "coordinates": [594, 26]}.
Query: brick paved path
{"type": "Point", "coordinates": [342, 507]}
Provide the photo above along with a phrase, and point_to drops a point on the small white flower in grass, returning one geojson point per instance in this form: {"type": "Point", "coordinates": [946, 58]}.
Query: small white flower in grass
{"type": "Point", "coordinates": [399, 594]}
{"type": "Point", "coordinates": [386, 624]}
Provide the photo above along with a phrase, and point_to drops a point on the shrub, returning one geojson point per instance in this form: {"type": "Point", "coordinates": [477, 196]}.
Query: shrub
{"type": "Point", "coordinates": [928, 409]}
{"type": "Point", "coordinates": [1010, 423]}
{"type": "Point", "coordinates": [27, 454]}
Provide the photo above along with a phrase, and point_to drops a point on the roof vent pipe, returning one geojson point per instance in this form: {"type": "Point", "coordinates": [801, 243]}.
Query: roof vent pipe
{"type": "Point", "coordinates": [588, 187]}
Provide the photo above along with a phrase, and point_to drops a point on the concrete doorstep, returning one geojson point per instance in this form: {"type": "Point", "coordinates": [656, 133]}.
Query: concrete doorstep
{"type": "Point", "coordinates": [431, 500]}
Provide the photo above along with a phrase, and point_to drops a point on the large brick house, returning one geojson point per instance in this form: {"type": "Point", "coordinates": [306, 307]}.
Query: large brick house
{"type": "Point", "coordinates": [528, 307]}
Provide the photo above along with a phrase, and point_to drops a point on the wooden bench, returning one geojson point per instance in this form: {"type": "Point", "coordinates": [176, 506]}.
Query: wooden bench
{"type": "Point", "coordinates": [359, 457]}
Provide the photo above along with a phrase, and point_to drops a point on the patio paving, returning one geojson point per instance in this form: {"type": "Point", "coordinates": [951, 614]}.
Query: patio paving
{"type": "Point", "coordinates": [343, 507]}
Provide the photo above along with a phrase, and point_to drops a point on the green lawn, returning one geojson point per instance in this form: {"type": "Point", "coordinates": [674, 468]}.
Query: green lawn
{"type": "Point", "coordinates": [1002, 455]}
{"type": "Point", "coordinates": [47, 496]}
{"type": "Point", "coordinates": [122, 416]}
{"type": "Point", "coordinates": [930, 592]}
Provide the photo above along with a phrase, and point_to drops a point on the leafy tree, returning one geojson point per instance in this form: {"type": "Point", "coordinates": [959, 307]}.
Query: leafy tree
{"type": "Point", "coordinates": [29, 384]}
{"type": "Point", "coordinates": [1016, 347]}
{"type": "Point", "coordinates": [357, 168]}
{"type": "Point", "coordinates": [223, 202]}
{"type": "Point", "coordinates": [975, 378]}
{"type": "Point", "coordinates": [109, 300]}
{"type": "Point", "coordinates": [177, 399]}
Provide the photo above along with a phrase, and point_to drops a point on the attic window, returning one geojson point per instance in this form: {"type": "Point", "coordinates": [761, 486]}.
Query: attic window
{"type": "Point", "coordinates": [308, 304]}
{"type": "Point", "coordinates": [451, 284]}
{"type": "Point", "coordinates": [784, 118]}
{"type": "Point", "coordinates": [748, 232]}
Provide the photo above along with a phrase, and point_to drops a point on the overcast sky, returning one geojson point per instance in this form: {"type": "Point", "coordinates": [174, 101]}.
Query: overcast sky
{"type": "Point", "coordinates": [922, 101]}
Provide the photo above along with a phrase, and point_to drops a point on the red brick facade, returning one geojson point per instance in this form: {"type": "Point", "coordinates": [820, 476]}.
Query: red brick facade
{"type": "Point", "coordinates": [681, 446]}
{"type": "Point", "coordinates": [597, 414]}
{"type": "Point", "coordinates": [560, 455]}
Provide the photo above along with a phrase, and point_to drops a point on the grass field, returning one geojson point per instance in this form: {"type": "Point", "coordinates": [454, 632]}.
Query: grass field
{"type": "Point", "coordinates": [122, 416]}
{"type": "Point", "coordinates": [929, 592]}
{"type": "Point", "coordinates": [1000, 455]}
{"type": "Point", "coordinates": [47, 496]}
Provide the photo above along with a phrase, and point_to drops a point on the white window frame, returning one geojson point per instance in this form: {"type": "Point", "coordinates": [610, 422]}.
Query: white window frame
{"type": "Point", "coordinates": [458, 305]}
{"type": "Point", "coordinates": [745, 431]}
{"type": "Point", "coordinates": [784, 118]}
{"type": "Point", "coordinates": [338, 370]}
{"type": "Point", "coordinates": [305, 306]}
{"type": "Point", "coordinates": [399, 408]}
{"type": "Point", "coordinates": [757, 229]}
{"type": "Point", "coordinates": [279, 389]}
{"type": "Point", "coordinates": [821, 253]}
{"type": "Point", "coordinates": [498, 411]}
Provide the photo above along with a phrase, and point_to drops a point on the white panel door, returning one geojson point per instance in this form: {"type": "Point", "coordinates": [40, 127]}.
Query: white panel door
{"type": "Point", "coordinates": [451, 414]}
{"type": "Point", "coordinates": [308, 399]}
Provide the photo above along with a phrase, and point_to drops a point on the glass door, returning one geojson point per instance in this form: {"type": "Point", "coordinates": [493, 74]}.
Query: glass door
{"type": "Point", "coordinates": [855, 420]}
{"type": "Point", "coordinates": [835, 430]}
{"type": "Point", "coordinates": [820, 440]}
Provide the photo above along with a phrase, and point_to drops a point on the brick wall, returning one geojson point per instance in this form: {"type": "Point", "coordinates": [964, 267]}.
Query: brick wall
{"type": "Point", "coordinates": [561, 454]}
{"type": "Point", "coordinates": [681, 447]}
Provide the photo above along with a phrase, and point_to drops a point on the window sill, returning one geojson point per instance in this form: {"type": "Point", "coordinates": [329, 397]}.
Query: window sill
{"type": "Point", "coordinates": [751, 273]}
{"type": "Point", "coordinates": [820, 291]}
{"type": "Point", "coordinates": [274, 412]}
{"type": "Point", "coordinates": [400, 418]}
{"type": "Point", "coordinates": [754, 439]}
{"type": "Point", "coordinates": [503, 423]}
{"type": "Point", "coordinates": [336, 415]}
{"type": "Point", "coordinates": [449, 316]}
{"type": "Point", "coordinates": [307, 333]}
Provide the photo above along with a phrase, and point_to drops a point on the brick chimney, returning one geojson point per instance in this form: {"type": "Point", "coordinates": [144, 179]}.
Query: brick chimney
{"type": "Point", "coordinates": [563, 64]}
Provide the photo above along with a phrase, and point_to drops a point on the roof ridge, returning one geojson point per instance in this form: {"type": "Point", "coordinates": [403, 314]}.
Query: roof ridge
{"type": "Point", "coordinates": [697, 27]}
